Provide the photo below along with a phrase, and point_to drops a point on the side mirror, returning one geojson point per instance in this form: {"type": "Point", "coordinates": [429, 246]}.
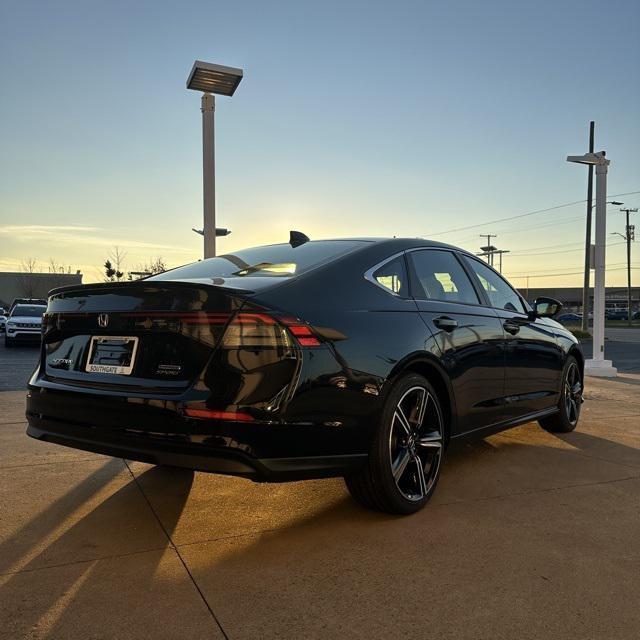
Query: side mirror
{"type": "Point", "coordinates": [545, 307]}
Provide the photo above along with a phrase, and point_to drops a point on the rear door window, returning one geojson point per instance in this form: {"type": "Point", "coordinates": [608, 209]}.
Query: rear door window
{"type": "Point", "coordinates": [441, 277]}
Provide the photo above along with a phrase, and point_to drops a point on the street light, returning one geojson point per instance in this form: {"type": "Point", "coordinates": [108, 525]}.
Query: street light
{"type": "Point", "coordinates": [614, 202]}
{"type": "Point", "coordinates": [211, 78]}
{"type": "Point", "coordinates": [597, 365]}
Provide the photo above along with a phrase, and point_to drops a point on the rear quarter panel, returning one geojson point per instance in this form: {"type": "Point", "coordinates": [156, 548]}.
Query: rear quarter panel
{"type": "Point", "coordinates": [345, 380]}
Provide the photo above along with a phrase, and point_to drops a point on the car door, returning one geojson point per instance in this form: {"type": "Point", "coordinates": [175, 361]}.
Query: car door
{"type": "Point", "coordinates": [469, 335]}
{"type": "Point", "coordinates": [533, 356]}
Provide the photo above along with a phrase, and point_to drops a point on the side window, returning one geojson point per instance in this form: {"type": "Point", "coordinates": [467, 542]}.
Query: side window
{"type": "Point", "coordinates": [500, 294]}
{"type": "Point", "coordinates": [441, 277]}
{"type": "Point", "coordinates": [393, 276]}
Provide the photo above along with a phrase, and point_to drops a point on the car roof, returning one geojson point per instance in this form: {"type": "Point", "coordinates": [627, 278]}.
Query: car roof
{"type": "Point", "coordinates": [409, 243]}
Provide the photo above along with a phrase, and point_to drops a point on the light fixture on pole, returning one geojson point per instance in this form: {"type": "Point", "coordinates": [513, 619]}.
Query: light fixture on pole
{"type": "Point", "coordinates": [211, 78]}
{"type": "Point", "coordinates": [597, 365]}
{"type": "Point", "coordinates": [488, 251]}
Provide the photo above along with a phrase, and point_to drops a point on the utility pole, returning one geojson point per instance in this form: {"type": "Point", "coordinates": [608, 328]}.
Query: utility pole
{"type": "Point", "coordinates": [629, 237]}
{"type": "Point", "coordinates": [489, 249]}
{"type": "Point", "coordinates": [587, 246]}
{"type": "Point", "coordinates": [500, 252]}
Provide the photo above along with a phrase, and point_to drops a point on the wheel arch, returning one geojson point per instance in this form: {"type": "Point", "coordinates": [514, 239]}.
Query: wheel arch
{"type": "Point", "coordinates": [576, 352]}
{"type": "Point", "coordinates": [435, 373]}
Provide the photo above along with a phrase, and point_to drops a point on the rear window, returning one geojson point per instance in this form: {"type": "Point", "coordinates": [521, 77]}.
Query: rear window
{"type": "Point", "coordinates": [30, 310]}
{"type": "Point", "coordinates": [276, 260]}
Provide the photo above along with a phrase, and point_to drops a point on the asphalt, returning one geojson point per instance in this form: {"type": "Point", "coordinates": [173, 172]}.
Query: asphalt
{"type": "Point", "coordinates": [530, 535]}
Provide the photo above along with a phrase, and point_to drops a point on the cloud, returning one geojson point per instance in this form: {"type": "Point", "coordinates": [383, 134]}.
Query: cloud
{"type": "Point", "coordinates": [42, 229]}
{"type": "Point", "coordinates": [75, 235]}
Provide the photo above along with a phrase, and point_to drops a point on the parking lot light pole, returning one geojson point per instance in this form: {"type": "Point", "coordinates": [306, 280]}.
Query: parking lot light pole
{"type": "Point", "coordinates": [211, 78]}
{"type": "Point", "coordinates": [597, 365]}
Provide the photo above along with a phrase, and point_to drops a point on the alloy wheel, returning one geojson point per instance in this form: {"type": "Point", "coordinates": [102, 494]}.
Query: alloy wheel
{"type": "Point", "coordinates": [415, 443]}
{"type": "Point", "coordinates": [572, 393]}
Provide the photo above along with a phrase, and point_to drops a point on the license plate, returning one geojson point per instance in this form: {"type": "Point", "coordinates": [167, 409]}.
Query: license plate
{"type": "Point", "coordinates": [112, 354]}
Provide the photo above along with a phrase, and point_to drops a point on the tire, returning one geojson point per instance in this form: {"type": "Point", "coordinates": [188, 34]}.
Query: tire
{"type": "Point", "coordinates": [404, 461]}
{"type": "Point", "coordinates": [566, 419]}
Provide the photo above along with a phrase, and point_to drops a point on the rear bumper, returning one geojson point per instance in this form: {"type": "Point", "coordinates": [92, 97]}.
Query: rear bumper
{"type": "Point", "coordinates": [197, 457]}
{"type": "Point", "coordinates": [261, 452]}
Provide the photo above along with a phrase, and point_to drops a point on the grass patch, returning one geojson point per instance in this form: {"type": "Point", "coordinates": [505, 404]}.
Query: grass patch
{"type": "Point", "coordinates": [578, 332]}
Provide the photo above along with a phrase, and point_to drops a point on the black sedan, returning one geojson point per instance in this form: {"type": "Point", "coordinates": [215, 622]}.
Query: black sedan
{"type": "Point", "coordinates": [360, 358]}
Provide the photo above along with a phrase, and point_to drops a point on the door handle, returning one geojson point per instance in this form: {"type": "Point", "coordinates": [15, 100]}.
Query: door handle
{"type": "Point", "coordinates": [445, 323]}
{"type": "Point", "coordinates": [511, 327]}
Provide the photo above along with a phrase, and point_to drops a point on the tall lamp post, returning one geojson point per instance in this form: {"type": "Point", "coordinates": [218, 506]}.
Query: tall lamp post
{"type": "Point", "coordinates": [587, 249]}
{"type": "Point", "coordinates": [211, 79]}
{"type": "Point", "coordinates": [597, 365]}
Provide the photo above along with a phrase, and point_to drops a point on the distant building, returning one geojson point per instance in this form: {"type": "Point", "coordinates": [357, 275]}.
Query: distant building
{"type": "Point", "coordinates": [571, 297]}
{"type": "Point", "coordinates": [15, 284]}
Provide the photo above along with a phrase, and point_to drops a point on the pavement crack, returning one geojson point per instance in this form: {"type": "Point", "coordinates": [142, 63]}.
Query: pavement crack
{"type": "Point", "coordinates": [177, 551]}
{"type": "Point", "coordinates": [113, 556]}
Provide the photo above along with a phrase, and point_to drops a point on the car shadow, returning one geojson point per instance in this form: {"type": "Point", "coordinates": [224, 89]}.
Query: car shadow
{"type": "Point", "coordinates": [45, 613]}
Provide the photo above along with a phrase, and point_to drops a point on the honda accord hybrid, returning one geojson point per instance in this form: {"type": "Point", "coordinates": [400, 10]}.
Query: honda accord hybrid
{"type": "Point", "coordinates": [359, 358]}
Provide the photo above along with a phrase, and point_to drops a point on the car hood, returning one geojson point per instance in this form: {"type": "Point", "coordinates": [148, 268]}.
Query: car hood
{"type": "Point", "coordinates": [30, 319]}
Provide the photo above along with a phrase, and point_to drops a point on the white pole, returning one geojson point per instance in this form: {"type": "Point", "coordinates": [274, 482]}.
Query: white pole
{"type": "Point", "coordinates": [209, 174]}
{"type": "Point", "coordinates": [597, 365]}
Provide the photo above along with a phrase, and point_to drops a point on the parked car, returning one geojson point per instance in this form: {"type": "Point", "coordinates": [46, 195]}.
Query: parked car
{"type": "Point", "coordinates": [568, 318]}
{"type": "Point", "coordinates": [616, 314]}
{"type": "Point", "coordinates": [24, 324]}
{"type": "Point", "coordinates": [357, 358]}
{"type": "Point", "coordinates": [3, 322]}
{"type": "Point", "coordinates": [33, 301]}
{"type": "Point", "coordinates": [636, 315]}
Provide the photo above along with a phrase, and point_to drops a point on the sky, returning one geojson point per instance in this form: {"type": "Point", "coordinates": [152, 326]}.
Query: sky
{"type": "Point", "coordinates": [352, 119]}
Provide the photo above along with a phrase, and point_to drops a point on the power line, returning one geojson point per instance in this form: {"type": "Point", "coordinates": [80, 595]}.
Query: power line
{"type": "Point", "coordinates": [535, 227]}
{"type": "Point", "coordinates": [518, 274]}
{"type": "Point", "coordinates": [524, 215]}
{"type": "Point", "coordinates": [572, 273]}
{"type": "Point", "coordinates": [547, 253]}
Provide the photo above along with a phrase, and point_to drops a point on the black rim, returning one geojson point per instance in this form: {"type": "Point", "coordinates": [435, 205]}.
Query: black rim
{"type": "Point", "coordinates": [572, 393]}
{"type": "Point", "coordinates": [415, 443]}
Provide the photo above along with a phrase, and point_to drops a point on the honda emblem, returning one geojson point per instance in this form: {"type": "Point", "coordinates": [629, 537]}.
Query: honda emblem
{"type": "Point", "coordinates": [103, 320]}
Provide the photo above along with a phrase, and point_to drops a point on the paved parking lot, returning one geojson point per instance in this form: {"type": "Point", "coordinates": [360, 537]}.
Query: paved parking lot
{"type": "Point", "coordinates": [529, 535]}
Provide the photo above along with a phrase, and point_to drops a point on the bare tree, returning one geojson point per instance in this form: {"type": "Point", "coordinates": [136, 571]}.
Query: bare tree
{"type": "Point", "coordinates": [28, 284]}
{"type": "Point", "coordinates": [117, 257]}
{"type": "Point", "coordinates": [114, 265]}
{"type": "Point", "coordinates": [57, 267]}
{"type": "Point", "coordinates": [155, 265]}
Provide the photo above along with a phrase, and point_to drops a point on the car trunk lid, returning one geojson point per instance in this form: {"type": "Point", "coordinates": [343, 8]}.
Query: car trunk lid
{"type": "Point", "coordinates": [129, 334]}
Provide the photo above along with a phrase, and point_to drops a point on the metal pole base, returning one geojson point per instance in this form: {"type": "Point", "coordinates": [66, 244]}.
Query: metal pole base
{"type": "Point", "coordinates": [600, 368]}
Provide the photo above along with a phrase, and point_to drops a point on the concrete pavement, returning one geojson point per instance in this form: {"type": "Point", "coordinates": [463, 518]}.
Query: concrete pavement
{"type": "Point", "coordinates": [529, 535]}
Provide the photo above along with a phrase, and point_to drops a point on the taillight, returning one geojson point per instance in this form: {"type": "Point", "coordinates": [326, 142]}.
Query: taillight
{"type": "Point", "coordinates": [302, 332]}
{"type": "Point", "coordinates": [253, 330]}
{"type": "Point", "coordinates": [245, 330]}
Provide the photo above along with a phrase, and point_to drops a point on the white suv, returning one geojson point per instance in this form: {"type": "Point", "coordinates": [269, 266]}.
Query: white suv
{"type": "Point", "coordinates": [24, 324]}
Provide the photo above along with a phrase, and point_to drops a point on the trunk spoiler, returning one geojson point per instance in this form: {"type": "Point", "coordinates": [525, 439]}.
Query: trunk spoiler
{"type": "Point", "coordinates": [149, 284]}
